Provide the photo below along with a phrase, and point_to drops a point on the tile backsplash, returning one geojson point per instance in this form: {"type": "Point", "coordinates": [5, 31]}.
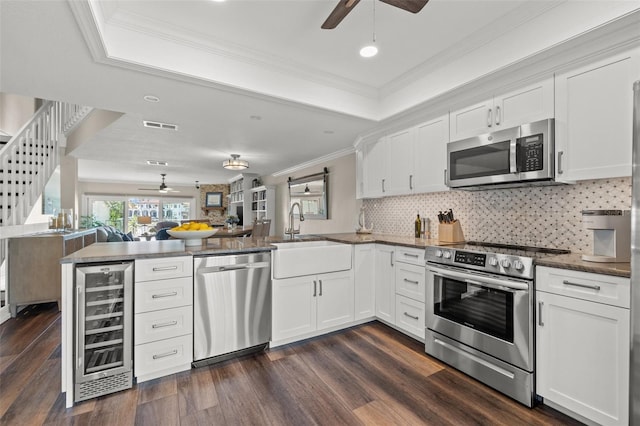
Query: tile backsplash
{"type": "Point", "coordinates": [547, 216]}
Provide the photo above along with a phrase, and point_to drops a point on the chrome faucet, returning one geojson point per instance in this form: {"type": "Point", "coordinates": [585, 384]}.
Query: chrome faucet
{"type": "Point", "coordinates": [291, 231]}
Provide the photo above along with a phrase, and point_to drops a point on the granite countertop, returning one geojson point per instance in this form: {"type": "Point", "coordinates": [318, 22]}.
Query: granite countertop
{"type": "Point", "coordinates": [353, 238]}
{"type": "Point", "coordinates": [574, 262]}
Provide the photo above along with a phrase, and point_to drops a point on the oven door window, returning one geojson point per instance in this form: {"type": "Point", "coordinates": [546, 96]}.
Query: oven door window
{"type": "Point", "coordinates": [484, 309]}
{"type": "Point", "coordinates": [486, 160]}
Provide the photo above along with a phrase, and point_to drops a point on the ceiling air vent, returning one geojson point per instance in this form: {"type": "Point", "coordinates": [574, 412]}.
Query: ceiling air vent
{"type": "Point", "coordinates": [158, 125]}
{"type": "Point", "coordinates": [157, 163]}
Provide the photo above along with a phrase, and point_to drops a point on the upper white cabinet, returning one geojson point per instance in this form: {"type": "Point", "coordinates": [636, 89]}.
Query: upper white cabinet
{"type": "Point", "coordinates": [407, 162]}
{"type": "Point", "coordinates": [593, 119]}
{"type": "Point", "coordinates": [530, 103]}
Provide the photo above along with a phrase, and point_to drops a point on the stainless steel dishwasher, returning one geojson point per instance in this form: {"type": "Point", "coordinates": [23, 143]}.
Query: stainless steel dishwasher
{"type": "Point", "coordinates": [232, 306]}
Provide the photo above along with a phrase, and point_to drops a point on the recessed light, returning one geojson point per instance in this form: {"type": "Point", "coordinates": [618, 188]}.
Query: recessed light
{"type": "Point", "coordinates": [369, 51]}
{"type": "Point", "coordinates": [151, 98]}
{"type": "Point", "coordinates": [255, 117]}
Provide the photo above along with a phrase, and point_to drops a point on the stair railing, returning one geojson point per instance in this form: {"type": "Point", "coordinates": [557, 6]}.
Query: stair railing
{"type": "Point", "coordinates": [29, 159]}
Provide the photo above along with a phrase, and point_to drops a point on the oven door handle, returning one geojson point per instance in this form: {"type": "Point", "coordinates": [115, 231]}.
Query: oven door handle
{"type": "Point", "coordinates": [483, 281]}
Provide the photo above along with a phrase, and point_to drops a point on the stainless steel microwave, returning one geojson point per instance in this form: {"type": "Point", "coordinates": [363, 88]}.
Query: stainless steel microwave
{"type": "Point", "coordinates": [518, 156]}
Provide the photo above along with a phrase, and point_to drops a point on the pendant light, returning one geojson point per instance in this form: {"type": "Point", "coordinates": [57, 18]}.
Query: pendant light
{"type": "Point", "coordinates": [234, 163]}
{"type": "Point", "coordinates": [371, 50]}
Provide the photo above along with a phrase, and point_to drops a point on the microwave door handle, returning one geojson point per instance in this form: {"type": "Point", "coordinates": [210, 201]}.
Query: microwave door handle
{"type": "Point", "coordinates": [513, 156]}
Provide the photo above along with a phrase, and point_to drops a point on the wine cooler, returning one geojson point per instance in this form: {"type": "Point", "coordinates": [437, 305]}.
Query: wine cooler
{"type": "Point", "coordinates": [103, 327]}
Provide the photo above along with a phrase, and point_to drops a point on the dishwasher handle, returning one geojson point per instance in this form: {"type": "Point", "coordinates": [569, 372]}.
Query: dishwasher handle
{"type": "Point", "coordinates": [232, 267]}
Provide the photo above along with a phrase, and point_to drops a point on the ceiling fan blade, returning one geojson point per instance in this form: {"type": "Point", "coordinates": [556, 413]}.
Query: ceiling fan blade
{"type": "Point", "coordinates": [341, 10]}
{"type": "Point", "coordinates": [413, 6]}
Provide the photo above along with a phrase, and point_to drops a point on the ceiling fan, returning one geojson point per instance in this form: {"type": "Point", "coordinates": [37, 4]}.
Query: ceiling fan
{"type": "Point", "coordinates": [345, 6]}
{"type": "Point", "coordinates": [163, 188]}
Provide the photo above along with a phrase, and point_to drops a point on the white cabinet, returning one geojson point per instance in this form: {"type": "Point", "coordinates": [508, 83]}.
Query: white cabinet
{"type": "Point", "coordinates": [524, 105]}
{"type": "Point", "coordinates": [304, 305]}
{"type": "Point", "coordinates": [163, 316]}
{"type": "Point", "coordinates": [410, 161]}
{"type": "Point", "coordinates": [385, 283]}
{"type": "Point", "coordinates": [410, 291]}
{"type": "Point", "coordinates": [582, 343]}
{"type": "Point", "coordinates": [593, 119]}
{"type": "Point", "coordinates": [430, 156]}
{"type": "Point", "coordinates": [364, 281]}
{"type": "Point", "coordinates": [373, 169]}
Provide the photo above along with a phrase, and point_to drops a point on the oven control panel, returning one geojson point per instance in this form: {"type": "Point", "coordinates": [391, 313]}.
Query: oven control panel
{"type": "Point", "coordinates": [468, 258]}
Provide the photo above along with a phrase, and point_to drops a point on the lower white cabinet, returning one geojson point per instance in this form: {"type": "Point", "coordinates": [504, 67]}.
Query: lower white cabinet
{"type": "Point", "coordinates": [385, 283]}
{"type": "Point", "coordinates": [163, 317]}
{"type": "Point", "coordinates": [582, 345]}
{"type": "Point", "coordinates": [304, 305]}
{"type": "Point", "coordinates": [364, 281]}
{"type": "Point", "coordinates": [410, 316]}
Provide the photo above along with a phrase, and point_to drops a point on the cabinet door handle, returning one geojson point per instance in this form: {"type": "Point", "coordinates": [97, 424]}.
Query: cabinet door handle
{"type": "Point", "coordinates": [320, 294]}
{"type": "Point", "coordinates": [410, 255]}
{"type": "Point", "coordinates": [489, 123]}
{"type": "Point", "coordinates": [406, 280]}
{"type": "Point", "coordinates": [540, 323]}
{"type": "Point", "coordinates": [560, 154]}
{"type": "Point", "coordinates": [391, 257]}
{"type": "Point", "coordinates": [315, 287]}
{"type": "Point", "coordinates": [166, 354]}
{"type": "Point", "coordinates": [406, 314]}
{"type": "Point", "coordinates": [383, 185]}
{"type": "Point", "coordinates": [410, 181]}
{"type": "Point", "coordinates": [164, 268]}
{"type": "Point", "coordinates": [158, 296]}
{"type": "Point", "coordinates": [497, 116]}
{"type": "Point", "coordinates": [589, 286]}
{"type": "Point", "coordinates": [165, 324]}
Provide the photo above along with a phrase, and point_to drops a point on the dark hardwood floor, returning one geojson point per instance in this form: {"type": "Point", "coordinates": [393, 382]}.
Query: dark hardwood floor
{"type": "Point", "coordinates": [369, 375]}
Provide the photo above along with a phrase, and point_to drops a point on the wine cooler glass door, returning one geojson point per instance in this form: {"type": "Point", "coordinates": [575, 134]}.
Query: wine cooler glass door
{"type": "Point", "coordinates": [103, 344]}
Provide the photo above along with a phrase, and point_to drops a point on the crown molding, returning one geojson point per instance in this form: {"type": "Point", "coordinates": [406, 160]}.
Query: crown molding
{"type": "Point", "coordinates": [315, 162]}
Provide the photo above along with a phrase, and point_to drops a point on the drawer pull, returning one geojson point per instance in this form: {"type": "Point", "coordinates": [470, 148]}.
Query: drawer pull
{"type": "Point", "coordinates": [589, 286]}
{"type": "Point", "coordinates": [164, 355]}
{"type": "Point", "coordinates": [158, 296]}
{"type": "Point", "coordinates": [164, 268]}
{"type": "Point", "coordinates": [410, 255]}
{"type": "Point", "coordinates": [165, 324]}
{"type": "Point", "coordinates": [406, 314]}
{"type": "Point", "coordinates": [411, 281]}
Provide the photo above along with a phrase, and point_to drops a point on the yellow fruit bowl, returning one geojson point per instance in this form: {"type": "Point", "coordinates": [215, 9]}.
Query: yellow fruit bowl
{"type": "Point", "coordinates": [192, 238]}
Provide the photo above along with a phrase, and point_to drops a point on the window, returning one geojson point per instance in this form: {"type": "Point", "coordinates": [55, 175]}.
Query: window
{"type": "Point", "coordinates": [122, 212]}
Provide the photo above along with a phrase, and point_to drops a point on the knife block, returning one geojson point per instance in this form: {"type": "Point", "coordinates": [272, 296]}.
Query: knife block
{"type": "Point", "coordinates": [450, 232]}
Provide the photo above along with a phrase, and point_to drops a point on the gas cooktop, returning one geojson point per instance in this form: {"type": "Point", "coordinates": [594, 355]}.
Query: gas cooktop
{"type": "Point", "coordinates": [504, 259]}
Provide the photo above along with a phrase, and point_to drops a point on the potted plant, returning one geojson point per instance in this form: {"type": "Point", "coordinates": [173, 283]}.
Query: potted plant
{"type": "Point", "coordinates": [232, 221]}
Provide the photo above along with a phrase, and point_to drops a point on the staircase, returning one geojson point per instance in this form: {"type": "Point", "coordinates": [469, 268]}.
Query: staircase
{"type": "Point", "coordinates": [31, 156]}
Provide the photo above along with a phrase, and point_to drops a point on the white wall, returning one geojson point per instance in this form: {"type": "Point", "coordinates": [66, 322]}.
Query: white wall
{"type": "Point", "coordinates": [15, 111]}
{"type": "Point", "coordinates": [343, 206]}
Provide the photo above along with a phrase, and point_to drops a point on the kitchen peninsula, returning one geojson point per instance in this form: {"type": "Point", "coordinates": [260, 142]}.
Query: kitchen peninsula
{"type": "Point", "coordinates": [378, 289]}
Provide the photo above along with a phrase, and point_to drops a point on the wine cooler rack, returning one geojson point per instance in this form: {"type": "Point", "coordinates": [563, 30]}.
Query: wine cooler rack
{"type": "Point", "coordinates": [103, 324]}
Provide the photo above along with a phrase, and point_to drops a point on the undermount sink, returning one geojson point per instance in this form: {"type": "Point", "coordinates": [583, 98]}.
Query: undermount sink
{"type": "Point", "coordinates": [299, 258]}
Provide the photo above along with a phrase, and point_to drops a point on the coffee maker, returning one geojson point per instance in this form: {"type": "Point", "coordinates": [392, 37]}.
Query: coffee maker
{"type": "Point", "coordinates": [611, 235]}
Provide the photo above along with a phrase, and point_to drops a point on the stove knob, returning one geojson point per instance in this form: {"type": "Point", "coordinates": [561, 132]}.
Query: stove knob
{"type": "Point", "coordinates": [493, 261]}
{"type": "Point", "coordinates": [438, 253]}
{"type": "Point", "coordinates": [447, 254]}
{"type": "Point", "coordinates": [505, 263]}
{"type": "Point", "coordinates": [518, 265]}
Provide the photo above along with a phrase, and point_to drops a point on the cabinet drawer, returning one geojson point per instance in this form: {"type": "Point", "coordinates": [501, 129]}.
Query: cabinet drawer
{"type": "Point", "coordinates": [410, 281]}
{"type": "Point", "coordinates": [410, 255]}
{"type": "Point", "coordinates": [163, 294]}
{"type": "Point", "coordinates": [163, 268]}
{"type": "Point", "coordinates": [410, 316]}
{"type": "Point", "coordinates": [162, 355]}
{"type": "Point", "coordinates": [583, 285]}
{"type": "Point", "coordinates": [158, 325]}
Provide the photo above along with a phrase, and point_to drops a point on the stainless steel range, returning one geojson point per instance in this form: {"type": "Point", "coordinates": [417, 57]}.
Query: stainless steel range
{"type": "Point", "coordinates": [479, 312]}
